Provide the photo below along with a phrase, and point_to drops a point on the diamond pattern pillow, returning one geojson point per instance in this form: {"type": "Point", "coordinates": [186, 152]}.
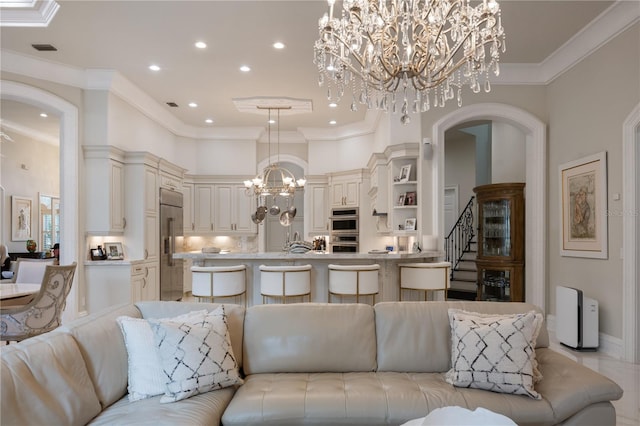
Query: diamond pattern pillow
{"type": "Point", "coordinates": [145, 376]}
{"type": "Point", "coordinates": [494, 352]}
{"type": "Point", "coordinates": [195, 358]}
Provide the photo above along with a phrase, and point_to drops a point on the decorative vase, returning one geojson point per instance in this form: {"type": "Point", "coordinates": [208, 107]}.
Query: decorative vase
{"type": "Point", "coordinates": [31, 246]}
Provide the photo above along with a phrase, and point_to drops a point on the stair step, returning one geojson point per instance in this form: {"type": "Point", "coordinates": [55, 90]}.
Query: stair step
{"type": "Point", "coordinates": [465, 269]}
{"type": "Point", "coordinates": [456, 294]}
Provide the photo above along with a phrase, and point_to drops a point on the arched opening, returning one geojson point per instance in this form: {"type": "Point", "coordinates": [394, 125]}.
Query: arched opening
{"type": "Point", "coordinates": [535, 205]}
{"type": "Point", "coordinates": [69, 176]}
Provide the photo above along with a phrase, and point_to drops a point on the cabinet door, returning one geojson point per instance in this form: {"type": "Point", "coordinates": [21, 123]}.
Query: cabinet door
{"type": "Point", "coordinates": [203, 208]}
{"type": "Point", "coordinates": [152, 242]}
{"type": "Point", "coordinates": [318, 209]}
{"type": "Point", "coordinates": [150, 190]}
{"type": "Point", "coordinates": [223, 217]}
{"type": "Point", "coordinates": [351, 194]}
{"type": "Point", "coordinates": [150, 285]}
{"type": "Point", "coordinates": [187, 209]}
{"type": "Point", "coordinates": [116, 216]}
{"type": "Point", "coordinates": [137, 283]}
{"type": "Point", "coordinates": [337, 194]}
{"type": "Point", "coordinates": [243, 207]}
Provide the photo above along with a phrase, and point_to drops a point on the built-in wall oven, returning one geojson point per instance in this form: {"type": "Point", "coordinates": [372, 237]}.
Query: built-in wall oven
{"type": "Point", "coordinates": [344, 230]}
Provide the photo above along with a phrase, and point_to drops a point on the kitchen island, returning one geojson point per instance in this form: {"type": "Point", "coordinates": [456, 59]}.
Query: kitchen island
{"type": "Point", "coordinates": [319, 274]}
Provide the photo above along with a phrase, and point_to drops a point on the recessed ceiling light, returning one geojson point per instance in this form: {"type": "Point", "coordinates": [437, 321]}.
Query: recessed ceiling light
{"type": "Point", "coordinates": [201, 45]}
{"type": "Point", "coordinates": [332, 122]}
{"type": "Point", "coordinates": [193, 104]}
{"type": "Point", "coordinates": [245, 68]}
{"type": "Point", "coordinates": [333, 105]}
{"type": "Point", "coordinates": [154, 68]}
{"type": "Point", "coordinates": [272, 121]}
{"type": "Point", "coordinates": [43, 115]}
{"type": "Point", "coordinates": [278, 45]}
{"type": "Point", "coordinates": [208, 121]}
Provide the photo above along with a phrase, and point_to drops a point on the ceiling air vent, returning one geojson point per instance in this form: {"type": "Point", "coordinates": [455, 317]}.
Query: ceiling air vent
{"type": "Point", "coordinates": [172, 104]}
{"type": "Point", "coordinates": [44, 47]}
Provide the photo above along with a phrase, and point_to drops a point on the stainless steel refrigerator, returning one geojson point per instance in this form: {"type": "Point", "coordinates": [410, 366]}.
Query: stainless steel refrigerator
{"type": "Point", "coordinates": [170, 229]}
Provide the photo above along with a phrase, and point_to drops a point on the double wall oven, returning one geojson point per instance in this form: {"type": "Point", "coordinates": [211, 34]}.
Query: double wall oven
{"type": "Point", "coordinates": [344, 230]}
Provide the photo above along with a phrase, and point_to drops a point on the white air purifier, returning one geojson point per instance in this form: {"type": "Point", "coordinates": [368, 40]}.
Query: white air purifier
{"type": "Point", "coordinates": [576, 319]}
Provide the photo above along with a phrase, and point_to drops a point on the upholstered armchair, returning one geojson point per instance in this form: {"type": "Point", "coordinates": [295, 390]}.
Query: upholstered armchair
{"type": "Point", "coordinates": [44, 312]}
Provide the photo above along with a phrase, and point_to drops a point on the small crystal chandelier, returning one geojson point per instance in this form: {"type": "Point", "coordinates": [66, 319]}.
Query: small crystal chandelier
{"type": "Point", "coordinates": [412, 52]}
{"type": "Point", "coordinates": [275, 181]}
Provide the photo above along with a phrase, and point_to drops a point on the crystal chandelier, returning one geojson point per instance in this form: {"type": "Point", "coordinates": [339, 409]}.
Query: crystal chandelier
{"type": "Point", "coordinates": [275, 181]}
{"type": "Point", "coordinates": [417, 53]}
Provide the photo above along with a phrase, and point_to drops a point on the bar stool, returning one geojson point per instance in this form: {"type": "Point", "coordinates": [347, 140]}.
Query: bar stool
{"type": "Point", "coordinates": [425, 277]}
{"type": "Point", "coordinates": [354, 280]}
{"type": "Point", "coordinates": [219, 281]}
{"type": "Point", "coordinates": [285, 281]}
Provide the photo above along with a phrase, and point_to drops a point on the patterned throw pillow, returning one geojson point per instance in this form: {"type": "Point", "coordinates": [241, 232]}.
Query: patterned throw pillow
{"type": "Point", "coordinates": [494, 352]}
{"type": "Point", "coordinates": [195, 358]}
{"type": "Point", "coordinates": [146, 378]}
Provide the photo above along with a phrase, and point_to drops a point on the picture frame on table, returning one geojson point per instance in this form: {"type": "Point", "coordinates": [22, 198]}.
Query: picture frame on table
{"type": "Point", "coordinates": [401, 199]}
{"type": "Point", "coordinates": [410, 224]}
{"type": "Point", "coordinates": [20, 218]}
{"type": "Point", "coordinates": [405, 172]}
{"type": "Point", "coordinates": [410, 198]}
{"type": "Point", "coordinates": [583, 201]}
{"type": "Point", "coordinates": [114, 251]}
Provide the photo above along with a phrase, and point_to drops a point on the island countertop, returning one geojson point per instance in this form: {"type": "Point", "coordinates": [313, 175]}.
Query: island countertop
{"type": "Point", "coordinates": [388, 276]}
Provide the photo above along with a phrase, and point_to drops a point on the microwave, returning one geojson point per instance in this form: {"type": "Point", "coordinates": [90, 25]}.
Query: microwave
{"type": "Point", "coordinates": [344, 220]}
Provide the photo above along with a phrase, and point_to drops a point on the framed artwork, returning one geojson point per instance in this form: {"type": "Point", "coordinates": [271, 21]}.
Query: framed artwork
{"type": "Point", "coordinates": [20, 218]}
{"type": "Point", "coordinates": [405, 172]}
{"type": "Point", "coordinates": [583, 201]}
{"type": "Point", "coordinates": [114, 251]}
{"type": "Point", "coordinates": [410, 198]}
{"type": "Point", "coordinates": [401, 199]}
{"type": "Point", "coordinates": [410, 224]}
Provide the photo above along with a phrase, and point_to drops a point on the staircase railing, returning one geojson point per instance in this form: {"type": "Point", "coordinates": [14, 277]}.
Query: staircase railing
{"type": "Point", "coordinates": [459, 239]}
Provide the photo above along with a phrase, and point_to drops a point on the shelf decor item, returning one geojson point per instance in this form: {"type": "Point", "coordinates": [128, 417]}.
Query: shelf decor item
{"type": "Point", "coordinates": [405, 172]}
{"type": "Point", "coordinates": [20, 218]}
{"type": "Point", "coordinates": [114, 251]}
{"type": "Point", "coordinates": [410, 224]}
{"type": "Point", "coordinates": [31, 246]}
{"type": "Point", "coordinates": [583, 201]}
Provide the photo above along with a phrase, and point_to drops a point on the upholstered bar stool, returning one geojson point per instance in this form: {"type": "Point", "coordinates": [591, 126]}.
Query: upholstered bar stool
{"type": "Point", "coordinates": [354, 280]}
{"type": "Point", "coordinates": [219, 281]}
{"type": "Point", "coordinates": [425, 277]}
{"type": "Point", "coordinates": [285, 281]}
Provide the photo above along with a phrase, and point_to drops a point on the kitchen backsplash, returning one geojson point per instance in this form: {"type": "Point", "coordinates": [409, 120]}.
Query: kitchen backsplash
{"type": "Point", "coordinates": [232, 244]}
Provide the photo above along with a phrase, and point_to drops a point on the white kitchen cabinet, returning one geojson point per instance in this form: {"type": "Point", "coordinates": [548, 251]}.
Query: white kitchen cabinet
{"type": "Point", "coordinates": [204, 209]}
{"type": "Point", "coordinates": [187, 208]}
{"type": "Point", "coordinates": [345, 188]}
{"type": "Point", "coordinates": [316, 209]}
{"type": "Point", "coordinates": [233, 210]}
{"type": "Point", "coordinates": [105, 197]}
{"type": "Point", "coordinates": [144, 282]}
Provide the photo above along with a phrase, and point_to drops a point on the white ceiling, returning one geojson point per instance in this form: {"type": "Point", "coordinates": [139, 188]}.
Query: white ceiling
{"type": "Point", "coordinates": [128, 36]}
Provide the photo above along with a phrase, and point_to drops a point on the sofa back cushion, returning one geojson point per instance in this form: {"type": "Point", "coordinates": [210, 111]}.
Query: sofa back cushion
{"type": "Point", "coordinates": [44, 381]}
{"type": "Point", "coordinates": [415, 337]}
{"type": "Point", "coordinates": [310, 338]}
{"type": "Point", "coordinates": [105, 354]}
{"type": "Point", "coordinates": [234, 313]}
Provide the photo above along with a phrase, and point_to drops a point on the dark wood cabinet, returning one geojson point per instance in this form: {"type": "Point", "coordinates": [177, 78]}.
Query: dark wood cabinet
{"type": "Point", "coordinates": [500, 257]}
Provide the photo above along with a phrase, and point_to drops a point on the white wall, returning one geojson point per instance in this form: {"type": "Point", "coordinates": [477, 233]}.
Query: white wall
{"type": "Point", "coordinates": [460, 166]}
{"type": "Point", "coordinates": [508, 159]}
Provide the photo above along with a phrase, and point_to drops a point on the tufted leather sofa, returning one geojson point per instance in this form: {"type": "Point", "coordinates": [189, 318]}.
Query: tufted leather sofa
{"type": "Point", "coordinates": [303, 364]}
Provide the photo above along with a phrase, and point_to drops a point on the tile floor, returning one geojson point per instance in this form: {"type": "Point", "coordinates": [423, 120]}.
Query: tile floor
{"type": "Point", "coordinates": [625, 374]}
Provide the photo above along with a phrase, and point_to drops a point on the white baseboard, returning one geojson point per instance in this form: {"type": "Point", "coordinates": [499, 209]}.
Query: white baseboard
{"type": "Point", "coordinates": [609, 345]}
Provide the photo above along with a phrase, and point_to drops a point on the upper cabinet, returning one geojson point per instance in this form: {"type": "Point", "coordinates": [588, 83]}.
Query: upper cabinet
{"type": "Point", "coordinates": [189, 224]}
{"type": "Point", "coordinates": [345, 188]}
{"type": "Point", "coordinates": [203, 208]}
{"type": "Point", "coordinates": [316, 211]}
{"type": "Point", "coordinates": [233, 209]}
{"type": "Point", "coordinates": [105, 197]}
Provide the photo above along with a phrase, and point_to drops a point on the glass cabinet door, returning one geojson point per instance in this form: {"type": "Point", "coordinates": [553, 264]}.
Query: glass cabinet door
{"type": "Point", "coordinates": [495, 285]}
{"type": "Point", "coordinates": [496, 228]}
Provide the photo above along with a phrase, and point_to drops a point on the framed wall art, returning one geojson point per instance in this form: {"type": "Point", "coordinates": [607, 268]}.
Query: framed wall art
{"type": "Point", "coordinates": [20, 218]}
{"type": "Point", "coordinates": [583, 202]}
{"type": "Point", "coordinates": [114, 251]}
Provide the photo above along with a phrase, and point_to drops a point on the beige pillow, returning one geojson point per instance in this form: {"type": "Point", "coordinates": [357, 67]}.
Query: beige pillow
{"type": "Point", "coordinates": [494, 352]}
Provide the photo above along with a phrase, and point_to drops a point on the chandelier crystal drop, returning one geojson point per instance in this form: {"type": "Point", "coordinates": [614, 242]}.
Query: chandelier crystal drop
{"type": "Point", "coordinates": [415, 53]}
{"type": "Point", "coordinates": [275, 181]}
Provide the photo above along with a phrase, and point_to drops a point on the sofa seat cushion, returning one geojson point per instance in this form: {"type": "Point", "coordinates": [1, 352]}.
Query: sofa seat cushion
{"type": "Point", "coordinates": [203, 409]}
{"type": "Point", "coordinates": [44, 381]}
{"type": "Point", "coordinates": [366, 398]}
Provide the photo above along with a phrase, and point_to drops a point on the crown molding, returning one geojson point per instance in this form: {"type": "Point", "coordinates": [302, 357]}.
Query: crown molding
{"type": "Point", "coordinates": [29, 132]}
{"type": "Point", "coordinates": [27, 13]}
{"type": "Point", "coordinates": [618, 17]}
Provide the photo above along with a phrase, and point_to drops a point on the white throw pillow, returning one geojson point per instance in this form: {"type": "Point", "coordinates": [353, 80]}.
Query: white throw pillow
{"type": "Point", "coordinates": [494, 352]}
{"type": "Point", "coordinates": [146, 378]}
{"type": "Point", "coordinates": [196, 358]}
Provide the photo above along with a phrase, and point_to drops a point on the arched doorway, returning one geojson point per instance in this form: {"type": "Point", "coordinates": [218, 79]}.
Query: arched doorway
{"type": "Point", "coordinates": [536, 146]}
{"type": "Point", "coordinates": [630, 240]}
{"type": "Point", "coordinates": [69, 175]}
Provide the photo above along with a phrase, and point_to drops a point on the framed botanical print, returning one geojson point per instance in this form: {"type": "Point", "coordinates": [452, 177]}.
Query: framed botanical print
{"type": "Point", "coordinates": [583, 201]}
{"type": "Point", "coordinates": [20, 218]}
